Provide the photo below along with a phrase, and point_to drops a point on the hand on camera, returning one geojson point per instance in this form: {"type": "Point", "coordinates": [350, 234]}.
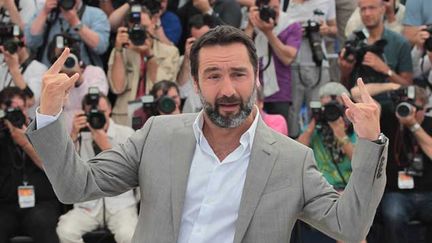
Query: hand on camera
{"type": "Point", "coordinates": [375, 62]}
{"type": "Point", "coordinates": [11, 60]}
{"type": "Point", "coordinates": [49, 6]}
{"type": "Point", "coordinates": [254, 18]}
{"type": "Point", "coordinates": [17, 134]}
{"type": "Point", "coordinates": [324, 28]}
{"type": "Point", "coordinates": [100, 137]}
{"type": "Point", "coordinates": [344, 63]}
{"type": "Point", "coordinates": [71, 16]}
{"type": "Point", "coordinates": [421, 36]}
{"type": "Point", "coordinates": [122, 38]}
{"type": "Point", "coordinates": [79, 122]}
{"type": "Point", "coordinates": [338, 128]}
{"type": "Point", "coordinates": [188, 46]}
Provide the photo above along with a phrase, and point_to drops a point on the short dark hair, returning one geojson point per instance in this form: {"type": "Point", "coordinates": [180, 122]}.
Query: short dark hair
{"type": "Point", "coordinates": [222, 35]}
{"type": "Point", "coordinates": [86, 97]}
{"type": "Point", "coordinates": [165, 86]}
{"type": "Point", "coordinates": [8, 93]}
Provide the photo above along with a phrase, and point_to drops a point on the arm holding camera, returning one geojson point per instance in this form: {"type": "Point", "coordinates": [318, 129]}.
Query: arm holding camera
{"type": "Point", "coordinates": [338, 128]}
{"type": "Point", "coordinates": [20, 139]}
{"type": "Point", "coordinates": [38, 26]}
{"type": "Point", "coordinates": [285, 53]}
{"type": "Point", "coordinates": [118, 72]}
{"type": "Point", "coordinates": [305, 137]}
{"type": "Point", "coordinates": [184, 74]}
{"type": "Point", "coordinates": [117, 17]}
{"type": "Point", "coordinates": [423, 139]}
{"type": "Point", "coordinates": [14, 14]}
{"type": "Point", "coordinates": [374, 89]}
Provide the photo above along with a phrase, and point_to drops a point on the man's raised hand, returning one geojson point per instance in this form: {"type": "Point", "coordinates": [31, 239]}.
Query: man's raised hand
{"type": "Point", "coordinates": [56, 87]}
{"type": "Point", "coordinates": [364, 115]}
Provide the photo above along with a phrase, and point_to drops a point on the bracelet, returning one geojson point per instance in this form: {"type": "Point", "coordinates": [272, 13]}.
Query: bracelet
{"type": "Point", "coordinates": [414, 128]}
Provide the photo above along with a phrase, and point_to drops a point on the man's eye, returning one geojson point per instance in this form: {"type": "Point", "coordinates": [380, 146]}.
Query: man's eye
{"type": "Point", "coordinates": [214, 76]}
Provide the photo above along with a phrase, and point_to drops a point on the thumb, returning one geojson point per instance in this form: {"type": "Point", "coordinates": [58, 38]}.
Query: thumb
{"type": "Point", "coordinates": [9, 125]}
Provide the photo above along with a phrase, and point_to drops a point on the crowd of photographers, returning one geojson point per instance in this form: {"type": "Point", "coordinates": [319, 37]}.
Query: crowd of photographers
{"type": "Point", "coordinates": [133, 60]}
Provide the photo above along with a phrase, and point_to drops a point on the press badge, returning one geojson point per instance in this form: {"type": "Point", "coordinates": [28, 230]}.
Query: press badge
{"type": "Point", "coordinates": [26, 196]}
{"type": "Point", "coordinates": [405, 181]}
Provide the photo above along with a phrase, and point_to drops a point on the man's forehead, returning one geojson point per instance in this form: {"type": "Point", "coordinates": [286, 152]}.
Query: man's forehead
{"type": "Point", "coordinates": [234, 55]}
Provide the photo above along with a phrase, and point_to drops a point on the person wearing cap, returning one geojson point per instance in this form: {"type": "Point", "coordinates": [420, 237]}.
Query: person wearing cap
{"type": "Point", "coordinates": [331, 141]}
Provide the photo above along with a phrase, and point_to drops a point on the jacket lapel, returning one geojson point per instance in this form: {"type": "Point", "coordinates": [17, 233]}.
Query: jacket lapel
{"type": "Point", "coordinates": [262, 159]}
{"type": "Point", "coordinates": [183, 148]}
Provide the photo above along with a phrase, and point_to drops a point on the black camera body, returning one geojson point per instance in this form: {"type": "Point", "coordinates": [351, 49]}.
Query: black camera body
{"type": "Point", "coordinates": [154, 107]}
{"type": "Point", "coordinates": [265, 11]}
{"type": "Point", "coordinates": [428, 42]}
{"type": "Point", "coordinates": [404, 100]}
{"type": "Point", "coordinates": [330, 112]}
{"type": "Point", "coordinates": [312, 32]}
{"type": "Point", "coordinates": [8, 34]}
{"type": "Point", "coordinates": [137, 32]}
{"type": "Point", "coordinates": [60, 42]}
{"type": "Point", "coordinates": [357, 47]}
{"type": "Point", "coordinates": [95, 117]}
{"type": "Point", "coordinates": [14, 116]}
{"type": "Point", "coordinates": [66, 4]}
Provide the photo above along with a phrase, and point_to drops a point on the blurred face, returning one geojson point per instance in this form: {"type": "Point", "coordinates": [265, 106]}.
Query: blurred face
{"type": "Point", "coordinates": [145, 20]}
{"type": "Point", "coordinates": [371, 12]}
{"type": "Point", "coordinates": [17, 102]}
{"type": "Point", "coordinates": [275, 5]}
{"type": "Point", "coordinates": [226, 84]}
{"type": "Point", "coordinates": [326, 99]}
{"type": "Point", "coordinates": [197, 33]}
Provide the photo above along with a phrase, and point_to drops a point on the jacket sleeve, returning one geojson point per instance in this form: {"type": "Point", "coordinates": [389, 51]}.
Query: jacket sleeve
{"type": "Point", "coordinates": [349, 216]}
{"type": "Point", "coordinates": [111, 173]}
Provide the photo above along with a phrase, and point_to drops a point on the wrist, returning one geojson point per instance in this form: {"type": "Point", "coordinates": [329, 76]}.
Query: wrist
{"type": "Point", "coordinates": [415, 127]}
{"type": "Point", "coordinates": [343, 140]}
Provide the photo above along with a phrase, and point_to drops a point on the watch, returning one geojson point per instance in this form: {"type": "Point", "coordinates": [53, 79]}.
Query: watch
{"type": "Point", "coordinates": [78, 27]}
{"type": "Point", "coordinates": [382, 139]}
{"type": "Point", "coordinates": [389, 73]}
{"type": "Point", "coordinates": [414, 127]}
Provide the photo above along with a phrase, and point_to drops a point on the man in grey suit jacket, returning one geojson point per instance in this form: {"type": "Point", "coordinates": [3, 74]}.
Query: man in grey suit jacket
{"type": "Point", "coordinates": [221, 175]}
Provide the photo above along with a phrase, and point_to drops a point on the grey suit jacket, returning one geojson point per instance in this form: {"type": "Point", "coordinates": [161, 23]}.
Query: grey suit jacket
{"type": "Point", "coordinates": [282, 182]}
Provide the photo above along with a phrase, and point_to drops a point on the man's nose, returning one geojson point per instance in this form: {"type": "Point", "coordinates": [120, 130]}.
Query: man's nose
{"type": "Point", "coordinates": [227, 88]}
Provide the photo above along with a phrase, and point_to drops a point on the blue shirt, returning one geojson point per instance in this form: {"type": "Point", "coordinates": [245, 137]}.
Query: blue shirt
{"type": "Point", "coordinates": [171, 26]}
{"type": "Point", "coordinates": [418, 12]}
{"type": "Point", "coordinates": [93, 18]}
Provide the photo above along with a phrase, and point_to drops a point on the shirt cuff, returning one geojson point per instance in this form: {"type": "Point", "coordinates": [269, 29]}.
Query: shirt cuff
{"type": "Point", "coordinates": [44, 120]}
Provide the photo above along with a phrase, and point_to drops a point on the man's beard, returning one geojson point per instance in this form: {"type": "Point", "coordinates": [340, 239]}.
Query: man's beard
{"type": "Point", "coordinates": [232, 120]}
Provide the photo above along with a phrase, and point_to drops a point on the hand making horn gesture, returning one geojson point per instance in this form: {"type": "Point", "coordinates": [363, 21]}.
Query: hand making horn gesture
{"type": "Point", "coordinates": [364, 115]}
{"type": "Point", "coordinates": [56, 87]}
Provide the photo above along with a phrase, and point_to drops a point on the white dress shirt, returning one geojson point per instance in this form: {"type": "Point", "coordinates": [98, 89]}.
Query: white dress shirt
{"type": "Point", "coordinates": [214, 189]}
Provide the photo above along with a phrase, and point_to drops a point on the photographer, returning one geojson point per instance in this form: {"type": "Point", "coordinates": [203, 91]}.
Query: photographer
{"type": "Point", "coordinates": [170, 90]}
{"type": "Point", "coordinates": [27, 201]}
{"type": "Point", "coordinates": [331, 136]}
{"type": "Point", "coordinates": [418, 17]}
{"type": "Point", "coordinates": [394, 14]}
{"type": "Point", "coordinates": [167, 27]}
{"type": "Point", "coordinates": [21, 70]}
{"type": "Point", "coordinates": [89, 76]}
{"type": "Point", "coordinates": [277, 41]}
{"type": "Point", "coordinates": [136, 64]}
{"type": "Point", "coordinates": [119, 213]}
{"type": "Point", "coordinates": [310, 69]}
{"type": "Point", "coordinates": [376, 54]}
{"type": "Point", "coordinates": [408, 193]}
{"type": "Point", "coordinates": [71, 17]}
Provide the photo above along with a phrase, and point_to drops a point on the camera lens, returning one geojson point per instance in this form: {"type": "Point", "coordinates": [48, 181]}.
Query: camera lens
{"type": "Point", "coordinates": [70, 62]}
{"type": "Point", "coordinates": [96, 119]}
{"type": "Point", "coordinates": [16, 117]}
{"type": "Point", "coordinates": [166, 105]}
{"type": "Point", "coordinates": [404, 109]}
{"type": "Point", "coordinates": [137, 35]}
{"type": "Point", "coordinates": [11, 46]}
{"type": "Point", "coordinates": [332, 112]}
{"type": "Point", "coordinates": [66, 4]}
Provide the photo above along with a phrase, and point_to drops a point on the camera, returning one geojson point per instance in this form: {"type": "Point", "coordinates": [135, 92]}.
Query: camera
{"type": "Point", "coordinates": [415, 167]}
{"type": "Point", "coordinates": [154, 6]}
{"type": "Point", "coordinates": [265, 11]}
{"type": "Point", "coordinates": [95, 117]}
{"type": "Point", "coordinates": [14, 116]}
{"type": "Point", "coordinates": [8, 34]}
{"type": "Point", "coordinates": [137, 32]}
{"type": "Point", "coordinates": [330, 112]}
{"type": "Point", "coordinates": [60, 42]}
{"type": "Point", "coordinates": [164, 104]}
{"type": "Point", "coordinates": [357, 46]}
{"type": "Point", "coordinates": [312, 32]}
{"type": "Point", "coordinates": [428, 42]}
{"type": "Point", "coordinates": [404, 99]}
{"type": "Point", "coordinates": [66, 4]}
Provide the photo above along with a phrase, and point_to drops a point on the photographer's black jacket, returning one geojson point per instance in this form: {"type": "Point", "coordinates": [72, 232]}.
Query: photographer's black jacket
{"type": "Point", "coordinates": [12, 169]}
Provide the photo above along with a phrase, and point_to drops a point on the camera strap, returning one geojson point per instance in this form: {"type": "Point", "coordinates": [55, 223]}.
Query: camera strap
{"type": "Point", "coordinates": [285, 5]}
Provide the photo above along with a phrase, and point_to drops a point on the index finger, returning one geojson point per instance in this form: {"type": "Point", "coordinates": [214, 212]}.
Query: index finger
{"type": "Point", "coordinates": [347, 101]}
{"type": "Point", "coordinates": [58, 64]}
{"type": "Point", "coordinates": [364, 94]}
